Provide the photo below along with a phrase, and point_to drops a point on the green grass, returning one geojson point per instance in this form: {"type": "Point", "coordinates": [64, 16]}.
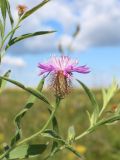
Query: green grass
{"type": "Point", "coordinates": [104, 144]}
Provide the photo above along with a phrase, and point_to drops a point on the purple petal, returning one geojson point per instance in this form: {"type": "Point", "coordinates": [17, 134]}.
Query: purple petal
{"type": "Point", "coordinates": [46, 67]}
{"type": "Point", "coordinates": [81, 69]}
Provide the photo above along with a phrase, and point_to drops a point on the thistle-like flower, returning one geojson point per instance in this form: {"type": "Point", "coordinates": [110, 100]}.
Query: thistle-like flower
{"type": "Point", "coordinates": [21, 9]}
{"type": "Point", "coordinates": [61, 69]}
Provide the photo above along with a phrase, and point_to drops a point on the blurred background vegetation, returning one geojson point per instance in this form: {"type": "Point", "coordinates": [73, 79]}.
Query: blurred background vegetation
{"type": "Point", "coordinates": [103, 144]}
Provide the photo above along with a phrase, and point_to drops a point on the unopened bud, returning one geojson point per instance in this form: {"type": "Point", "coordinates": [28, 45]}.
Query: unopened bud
{"type": "Point", "coordinates": [21, 9]}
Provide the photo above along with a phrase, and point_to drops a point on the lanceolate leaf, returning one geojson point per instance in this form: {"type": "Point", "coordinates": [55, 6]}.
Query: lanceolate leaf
{"type": "Point", "coordinates": [3, 82]}
{"type": "Point", "coordinates": [5, 38]}
{"type": "Point", "coordinates": [74, 152]}
{"type": "Point", "coordinates": [26, 151]}
{"type": "Point", "coordinates": [111, 119]}
{"type": "Point", "coordinates": [28, 35]}
{"type": "Point", "coordinates": [2, 53]}
{"type": "Point", "coordinates": [3, 6]}
{"type": "Point", "coordinates": [107, 95]}
{"type": "Point", "coordinates": [55, 147]}
{"type": "Point", "coordinates": [93, 100]}
{"type": "Point", "coordinates": [9, 12]}
{"type": "Point", "coordinates": [21, 114]}
{"type": "Point", "coordinates": [1, 29]}
{"type": "Point", "coordinates": [31, 11]}
{"type": "Point", "coordinates": [52, 134]}
{"type": "Point", "coordinates": [28, 89]}
{"type": "Point", "coordinates": [90, 94]}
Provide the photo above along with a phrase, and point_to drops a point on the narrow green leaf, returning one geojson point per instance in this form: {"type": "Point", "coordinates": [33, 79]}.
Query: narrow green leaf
{"type": "Point", "coordinates": [3, 82]}
{"type": "Point", "coordinates": [108, 120]}
{"type": "Point", "coordinates": [34, 9]}
{"type": "Point", "coordinates": [28, 35]}
{"type": "Point", "coordinates": [22, 113]}
{"type": "Point", "coordinates": [10, 33]}
{"type": "Point", "coordinates": [93, 100]}
{"type": "Point", "coordinates": [9, 13]}
{"type": "Point", "coordinates": [54, 150]}
{"type": "Point", "coordinates": [1, 29]}
{"type": "Point", "coordinates": [107, 95]}
{"type": "Point", "coordinates": [27, 151]}
{"type": "Point", "coordinates": [3, 6]}
{"type": "Point", "coordinates": [94, 117]}
{"type": "Point", "coordinates": [70, 148]}
{"type": "Point", "coordinates": [89, 93]}
{"type": "Point", "coordinates": [51, 134]}
{"type": "Point", "coordinates": [2, 53]}
{"type": "Point", "coordinates": [28, 89]}
{"type": "Point", "coordinates": [37, 94]}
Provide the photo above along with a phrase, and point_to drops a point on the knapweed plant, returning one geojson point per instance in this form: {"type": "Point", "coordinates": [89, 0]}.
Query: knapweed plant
{"type": "Point", "coordinates": [59, 71]}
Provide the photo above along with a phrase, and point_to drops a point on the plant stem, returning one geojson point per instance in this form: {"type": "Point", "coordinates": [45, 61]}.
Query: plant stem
{"type": "Point", "coordinates": [5, 153]}
{"type": "Point", "coordinates": [33, 136]}
{"type": "Point", "coordinates": [17, 25]}
{"type": "Point", "coordinates": [45, 126]}
{"type": "Point", "coordinates": [89, 130]}
{"type": "Point", "coordinates": [36, 134]}
{"type": "Point", "coordinates": [102, 110]}
{"type": "Point", "coordinates": [39, 132]}
{"type": "Point", "coordinates": [82, 135]}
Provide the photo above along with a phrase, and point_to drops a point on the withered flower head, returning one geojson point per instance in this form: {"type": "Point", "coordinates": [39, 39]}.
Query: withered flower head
{"type": "Point", "coordinates": [21, 9]}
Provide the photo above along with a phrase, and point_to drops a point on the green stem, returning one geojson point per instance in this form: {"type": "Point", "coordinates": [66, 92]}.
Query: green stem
{"type": "Point", "coordinates": [103, 108]}
{"type": "Point", "coordinates": [4, 39]}
{"type": "Point", "coordinates": [82, 135]}
{"type": "Point", "coordinates": [89, 130]}
{"type": "Point", "coordinates": [33, 136]}
{"type": "Point", "coordinates": [17, 25]}
{"type": "Point", "coordinates": [5, 153]}
{"type": "Point", "coordinates": [39, 132]}
{"type": "Point", "coordinates": [45, 126]}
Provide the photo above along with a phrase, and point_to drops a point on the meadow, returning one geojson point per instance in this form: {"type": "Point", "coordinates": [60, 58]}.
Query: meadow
{"type": "Point", "coordinates": [103, 144]}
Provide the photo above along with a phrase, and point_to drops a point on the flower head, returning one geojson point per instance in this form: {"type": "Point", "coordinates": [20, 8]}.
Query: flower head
{"type": "Point", "coordinates": [21, 9]}
{"type": "Point", "coordinates": [61, 69]}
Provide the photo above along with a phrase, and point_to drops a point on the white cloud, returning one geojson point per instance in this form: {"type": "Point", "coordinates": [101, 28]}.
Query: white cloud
{"type": "Point", "coordinates": [99, 20]}
{"type": "Point", "coordinates": [65, 41]}
{"type": "Point", "coordinates": [100, 23]}
{"type": "Point", "coordinates": [14, 61]}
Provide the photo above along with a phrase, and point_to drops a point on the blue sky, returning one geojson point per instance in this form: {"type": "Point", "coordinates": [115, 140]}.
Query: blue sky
{"type": "Point", "coordinates": [103, 62]}
{"type": "Point", "coordinates": [97, 45]}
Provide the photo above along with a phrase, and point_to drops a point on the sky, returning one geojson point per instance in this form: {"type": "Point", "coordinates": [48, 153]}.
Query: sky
{"type": "Point", "coordinates": [97, 45]}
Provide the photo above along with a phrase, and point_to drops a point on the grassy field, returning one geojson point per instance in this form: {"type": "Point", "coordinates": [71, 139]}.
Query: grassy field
{"type": "Point", "coordinates": [104, 144]}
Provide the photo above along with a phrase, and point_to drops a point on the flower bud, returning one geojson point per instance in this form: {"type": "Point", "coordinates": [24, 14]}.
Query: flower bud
{"type": "Point", "coordinates": [21, 9]}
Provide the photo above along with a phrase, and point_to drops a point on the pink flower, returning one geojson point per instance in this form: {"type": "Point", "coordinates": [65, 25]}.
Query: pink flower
{"type": "Point", "coordinates": [62, 68]}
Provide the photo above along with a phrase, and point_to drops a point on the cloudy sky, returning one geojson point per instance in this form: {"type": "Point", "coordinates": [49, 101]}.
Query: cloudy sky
{"type": "Point", "coordinates": [97, 44]}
